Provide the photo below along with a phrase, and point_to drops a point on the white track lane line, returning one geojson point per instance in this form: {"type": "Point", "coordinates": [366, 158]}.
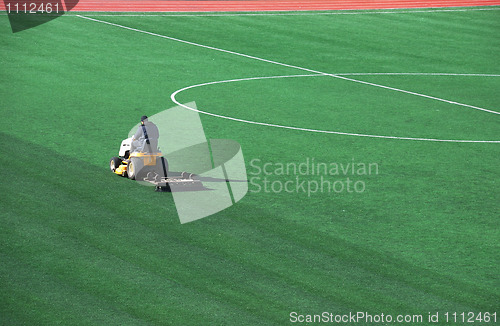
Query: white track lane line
{"type": "Point", "coordinates": [174, 94]}
{"type": "Point", "coordinates": [289, 13]}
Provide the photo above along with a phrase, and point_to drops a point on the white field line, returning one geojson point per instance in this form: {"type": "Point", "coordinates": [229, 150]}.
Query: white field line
{"type": "Point", "coordinates": [303, 69]}
{"type": "Point", "coordinates": [288, 65]}
{"type": "Point", "coordinates": [414, 74]}
{"type": "Point", "coordinates": [173, 98]}
{"type": "Point", "coordinates": [286, 13]}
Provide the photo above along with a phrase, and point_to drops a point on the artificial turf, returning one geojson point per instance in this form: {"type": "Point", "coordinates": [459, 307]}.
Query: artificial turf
{"type": "Point", "coordinates": [80, 245]}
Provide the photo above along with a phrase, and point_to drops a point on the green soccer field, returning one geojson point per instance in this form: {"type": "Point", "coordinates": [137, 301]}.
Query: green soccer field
{"type": "Point", "coordinates": [412, 94]}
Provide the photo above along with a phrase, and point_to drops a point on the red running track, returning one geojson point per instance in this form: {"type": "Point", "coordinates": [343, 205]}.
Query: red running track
{"type": "Point", "coordinates": [258, 5]}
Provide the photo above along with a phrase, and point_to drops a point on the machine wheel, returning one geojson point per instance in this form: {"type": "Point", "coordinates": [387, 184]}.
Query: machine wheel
{"type": "Point", "coordinates": [114, 163]}
{"type": "Point", "coordinates": [134, 168]}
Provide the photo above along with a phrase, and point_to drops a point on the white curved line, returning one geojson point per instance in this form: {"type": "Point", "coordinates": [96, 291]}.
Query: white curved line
{"type": "Point", "coordinates": [281, 63]}
{"type": "Point", "coordinates": [174, 94]}
{"type": "Point", "coordinates": [294, 67]}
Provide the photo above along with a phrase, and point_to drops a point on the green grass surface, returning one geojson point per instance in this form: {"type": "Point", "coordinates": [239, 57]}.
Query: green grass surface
{"type": "Point", "coordinates": [80, 245]}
